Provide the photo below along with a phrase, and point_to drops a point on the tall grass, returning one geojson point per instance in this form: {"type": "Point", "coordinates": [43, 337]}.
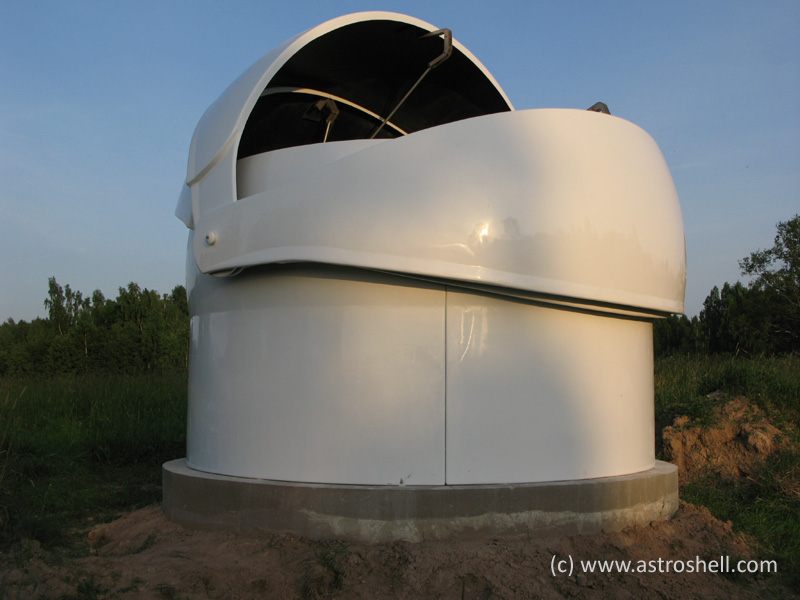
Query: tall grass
{"type": "Point", "coordinates": [765, 505]}
{"type": "Point", "coordinates": [78, 448]}
{"type": "Point", "coordinates": [683, 383]}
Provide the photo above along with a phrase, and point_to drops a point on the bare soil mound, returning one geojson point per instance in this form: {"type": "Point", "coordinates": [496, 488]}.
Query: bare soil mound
{"type": "Point", "coordinates": [736, 445]}
{"type": "Point", "coordinates": [142, 555]}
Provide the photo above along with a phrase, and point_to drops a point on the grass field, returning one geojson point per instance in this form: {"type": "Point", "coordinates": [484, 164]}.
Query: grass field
{"type": "Point", "coordinates": [682, 384]}
{"type": "Point", "coordinates": [76, 451]}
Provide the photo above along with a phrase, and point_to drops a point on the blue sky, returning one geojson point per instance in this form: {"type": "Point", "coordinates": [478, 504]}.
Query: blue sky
{"type": "Point", "coordinates": [98, 102]}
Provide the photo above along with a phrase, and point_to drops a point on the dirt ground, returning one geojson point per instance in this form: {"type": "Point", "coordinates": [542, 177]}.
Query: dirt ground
{"type": "Point", "coordinates": [740, 440]}
{"type": "Point", "coordinates": [142, 555]}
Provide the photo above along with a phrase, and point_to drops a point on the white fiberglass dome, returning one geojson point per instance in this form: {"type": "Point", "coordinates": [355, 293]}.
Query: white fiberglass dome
{"type": "Point", "coordinates": [455, 186]}
{"type": "Point", "coordinates": [395, 278]}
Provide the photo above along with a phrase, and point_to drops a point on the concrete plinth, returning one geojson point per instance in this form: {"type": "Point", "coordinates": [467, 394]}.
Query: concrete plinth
{"type": "Point", "coordinates": [375, 514]}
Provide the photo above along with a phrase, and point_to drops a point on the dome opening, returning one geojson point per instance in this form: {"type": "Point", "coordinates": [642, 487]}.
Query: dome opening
{"type": "Point", "coordinates": [342, 85]}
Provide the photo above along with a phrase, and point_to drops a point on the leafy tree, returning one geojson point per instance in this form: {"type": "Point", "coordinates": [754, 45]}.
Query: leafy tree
{"type": "Point", "coordinates": [677, 334]}
{"type": "Point", "coordinates": [711, 321]}
{"type": "Point", "coordinates": [764, 316]}
{"type": "Point", "coordinates": [56, 306]}
{"type": "Point", "coordinates": [778, 268]}
{"type": "Point", "coordinates": [139, 331]}
{"type": "Point", "coordinates": [24, 346]}
{"type": "Point", "coordinates": [776, 273]}
{"type": "Point", "coordinates": [174, 335]}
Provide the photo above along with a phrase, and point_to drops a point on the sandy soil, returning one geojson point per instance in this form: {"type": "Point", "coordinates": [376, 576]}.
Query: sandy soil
{"type": "Point", "coordinates": [142, 555]}
{"type": "Point", "coordinates": [740, 440]}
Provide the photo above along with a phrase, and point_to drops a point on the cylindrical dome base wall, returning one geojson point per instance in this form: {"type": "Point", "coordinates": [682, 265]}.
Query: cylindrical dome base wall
{"type": "Point", "coordinates": [343, 376]}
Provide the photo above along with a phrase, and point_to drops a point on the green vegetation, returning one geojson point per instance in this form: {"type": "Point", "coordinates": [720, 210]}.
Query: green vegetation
{"type": "Point", "coordinates": [139, 332]}
{"type": "Point", "coordinates": [762, 318]}
{"type": "Point", "coordinates": [79, 448]}
{"type": "Point", "coordinates": [682, 385]}
{"type": "Point", "coordinates": [765, 506]}
{"type": "Point", "coordinates": [92, 401]}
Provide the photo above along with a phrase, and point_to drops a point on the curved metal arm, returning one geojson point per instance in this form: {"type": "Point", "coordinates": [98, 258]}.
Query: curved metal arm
{"type": "Point", "coordinates": [446, 53]}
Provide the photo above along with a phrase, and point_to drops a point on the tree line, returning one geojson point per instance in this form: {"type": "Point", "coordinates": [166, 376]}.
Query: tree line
{"type": "Point", "coordinates": [141, 331]}
{"type": "Point", "coordinates": [760, 318]}
{"type": "Point", "coordinates": [138, 332]}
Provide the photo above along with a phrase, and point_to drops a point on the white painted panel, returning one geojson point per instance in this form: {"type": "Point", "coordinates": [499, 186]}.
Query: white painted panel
{"type": "Point", "coordinates": [564, 202]}
{"type": "Point", "coordinates": [301, 376]}
{"type": "Point", "coordinates": [542, 394]}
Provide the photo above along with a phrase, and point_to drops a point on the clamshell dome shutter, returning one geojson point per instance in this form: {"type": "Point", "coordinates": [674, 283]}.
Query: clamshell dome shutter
{"type": "Point", "coordinates": [363, 61]}
{"type": "Point", "coordinates": [370, 65]}
{"type": "Point", "coordinates": [572, 205]}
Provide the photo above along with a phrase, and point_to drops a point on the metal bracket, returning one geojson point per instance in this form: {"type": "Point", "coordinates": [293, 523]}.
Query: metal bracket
{"type": "Point", "coordinates": [447, 51]}
{"type": "Point", "coordinates": [600, 107]}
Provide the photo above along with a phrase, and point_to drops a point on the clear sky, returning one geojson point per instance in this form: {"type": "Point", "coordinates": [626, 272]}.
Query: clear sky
{"type": "Point", "coordinates": [98, 102]}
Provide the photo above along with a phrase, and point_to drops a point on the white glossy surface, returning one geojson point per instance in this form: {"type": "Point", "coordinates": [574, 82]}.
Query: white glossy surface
{"type": "Point", "coordinates": [537, 394]}
{"type": "Point", "coordinates": [270, 170]}
{"type": "Point", "coordinates": [565, 202]}
{"type": "Point", "coordinates": [300, 377]}
{"type": "Point", "coordinates": [327, 375]}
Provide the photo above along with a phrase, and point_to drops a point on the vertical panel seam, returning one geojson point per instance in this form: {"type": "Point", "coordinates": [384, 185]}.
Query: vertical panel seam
{"type": "Point", "coordinates": [446, 300]}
